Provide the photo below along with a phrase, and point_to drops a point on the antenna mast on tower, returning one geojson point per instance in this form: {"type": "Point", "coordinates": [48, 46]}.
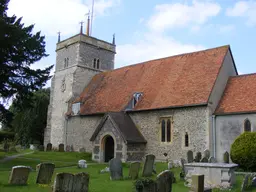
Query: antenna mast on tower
{"type": "Point", "coordinates": [92, 16]}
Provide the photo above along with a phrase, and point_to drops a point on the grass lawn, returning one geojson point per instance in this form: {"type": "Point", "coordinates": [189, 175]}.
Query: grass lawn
{"type": "Point", "coordinates": [98, 182]}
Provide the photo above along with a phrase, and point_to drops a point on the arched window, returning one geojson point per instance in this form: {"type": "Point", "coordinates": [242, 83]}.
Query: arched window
{"type": "Point", "coordinates": [94, 63]}
{"type": "Point", "coordinates": [186, 140]}
{"type": "Point", "coordinates": [168, 130]}
{"type": "Point", "coordinates": [163, 131]}
{"type": "Point", "coordinates": [98, 63]}
{"type": "Point", "coordinates": [247, 125]}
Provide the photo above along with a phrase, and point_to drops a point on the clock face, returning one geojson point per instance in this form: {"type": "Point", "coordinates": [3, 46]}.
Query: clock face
{"type": "Point", "coordinates": [63, 85]}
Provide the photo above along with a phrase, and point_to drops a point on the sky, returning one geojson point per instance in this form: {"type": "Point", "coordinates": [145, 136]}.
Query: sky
{"type": "Point", "coordinates": [148, 29]}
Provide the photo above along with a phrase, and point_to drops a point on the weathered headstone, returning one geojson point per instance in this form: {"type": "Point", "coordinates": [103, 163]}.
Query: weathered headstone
{"type": "Point", "coordinates": [82, 164]}
{"type": "Point", "coordinates": [49, 147]}
{"type": "Point", "coordinates": [45, 172]}
{"type": "Point", "coordinates": [61, 147]}
{"type": "Point", "coordinates": [212, 160]}
{"type": "Point", "coordinates": [197, 184]}
{"type": "Point", "coordinates": [207, 153]}
{"type": "Point", "coordinates": [226, 157]}
{"type": "Point", "coordinates": [19, 175]}
{"type": "Point", "coordinates": [183, 170]}
{"type": "Point", "coordinates": [204, 160]}
{"type": "Point", "coordinates": [134, 170]}
{"type": "Point", "coordinates": [190, 157]}
{"type": "Point", "coordinates": [245, 183]}
{"type": "Point", "coordinates": [63, 182]}
{"type": "Point", "coordinates": [81, 182]}
{"type": "Point", "coordinates": [198, 157]}
{"type": "Point", "coordinates": [148, 166]}
{"type": "Point", "coordinates": [116, 169]}
{"type": "Point", "coordinates": [164, 181]}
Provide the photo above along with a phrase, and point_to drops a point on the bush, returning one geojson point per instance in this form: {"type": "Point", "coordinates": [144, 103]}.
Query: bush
{"type": "Point", "coordinates": [6, 135]}
{"type": "Point", "coordinates": [243, 151]}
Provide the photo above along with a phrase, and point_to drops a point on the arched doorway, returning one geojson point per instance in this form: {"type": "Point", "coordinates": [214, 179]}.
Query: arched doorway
{"type": "Point", "coordinates": [109, 148]}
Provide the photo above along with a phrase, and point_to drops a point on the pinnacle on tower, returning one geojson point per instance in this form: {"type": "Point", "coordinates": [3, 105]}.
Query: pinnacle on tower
{"type": "Point", "coordinates": [114, 39]}
{"type": "Point", "coordinates": [81, 28]}
{"type": "Point", "coordinates": [58, 36]}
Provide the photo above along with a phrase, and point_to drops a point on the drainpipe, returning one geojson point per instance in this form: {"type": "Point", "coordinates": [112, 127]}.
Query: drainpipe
{"type": "Point", "coordinates": [214, 135]}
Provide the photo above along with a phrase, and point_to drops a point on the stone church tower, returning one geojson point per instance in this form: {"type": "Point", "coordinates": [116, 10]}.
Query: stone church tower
{"type": "Point", "coordinates": [78, 59]}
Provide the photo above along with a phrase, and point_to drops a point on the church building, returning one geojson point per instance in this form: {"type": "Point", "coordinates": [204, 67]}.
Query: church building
{"type": "Point", "coordinates": [193, 101]}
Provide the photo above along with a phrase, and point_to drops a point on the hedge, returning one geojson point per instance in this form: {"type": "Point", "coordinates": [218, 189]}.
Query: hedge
{"type": "Point", "coordinates": [7, 135]}
{"type": "Point", "coordinates": [243, 151]}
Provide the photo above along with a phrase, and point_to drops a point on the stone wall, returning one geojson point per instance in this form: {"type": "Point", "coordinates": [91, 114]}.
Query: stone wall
{"type": "Point", "coordinates": [135, 152]}
{"type": "Point", "coordinates": [228, 128]}
{"type": "Point", "coordinates": [120, 147]}
{"type": "Point", "coordinates": [193, 120]}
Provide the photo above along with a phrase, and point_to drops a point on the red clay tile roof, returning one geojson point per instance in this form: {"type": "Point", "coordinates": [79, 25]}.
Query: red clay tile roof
{"type": "Point", "coordinates": [180, 80]}
{"type": "Point", "coordinates": [239, 95]}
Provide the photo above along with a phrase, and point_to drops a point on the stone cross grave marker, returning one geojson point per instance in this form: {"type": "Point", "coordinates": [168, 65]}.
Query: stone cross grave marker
{"type": "Point", "coordinates": [61, 147]}
{"type": "Point", "coordinates": [190, 157]}
{"type": "Point", "coordinates": [226, 157]}
{"type": "Point", "coordinates": [81, 182]}
{"type": "Point", "coordinates": [116, 169]}
{"type": "Point", "coordinates": [49, 147]}
{"type": "Point", "coordinates": [207, 153]}
{"type": "Point", "coordinates": [134, 170]}
{"type": "Point", "coordinates": [245, 183]}
{"type": "Point", "coordinates": [164, 181]}
{"type": "Point", "coordinates": [148, 166]}
{"type": "Point", "coordinates": [212, 160]}
{"type": "Point", "coordinates": [19, 175]}
{"type": "Point", "coordinates": [197, 184]}
{"type": "Point", "coordinates": [204, 160]}
{"type": "Point", "coordinates": [45, 172]}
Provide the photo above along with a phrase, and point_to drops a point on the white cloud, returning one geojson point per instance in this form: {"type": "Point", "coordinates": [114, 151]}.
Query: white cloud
{"type": "Point", "coordinates": [152, 46]}
{"type": "Point", "coordinates": [244, 9]}
{"type": "Point", "coordinates": [50, 16]}
{"type": "Point", "coordinates": [169, 16]}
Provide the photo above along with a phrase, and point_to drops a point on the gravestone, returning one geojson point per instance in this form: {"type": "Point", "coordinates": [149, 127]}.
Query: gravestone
{"type": "Point", "coordinates": [245, 183]}
{"type": "Point", "coordinates": [145, 185]}
{"type": "Point", "coordinates": [207, 153]}
{"type": "Point", "coordinates": [164, 181]}
{"type": "Point", "coordinates": [45, 172]}
{"type": "Point", "coordinates": [82, 164]}
{"type": "Point", "coordinates": [148, 166]}
{"type": "Point", "coordinates": [134, 170]}
{"type": "Point", "coordinates": [226, 157]}
{"type": "Point", "coordinates": [19, 175]}
{"type": "Point", "coordinates": [197, 184]}
{"type": "Point", "coordinates": [61, 147]}
{"type": "Point", "coordinates": [204, 160]}
{"type": "Point", "coordinates": [116, 169]}
{"type": "Point", "coordinates": [198, 157]}
{"type": "Point", "coordinates": [190, 157]}
{"type": "Point", "coordinates": [212, 160]}
{"type": "Point", "coordinates": [81, 182]}
{"type": "Point", "coordinates": [183, 171]}
{"type": "Point", "coordinates": [63, 182]}
{"type": "Point", "coordinates": [49, 147]}
{"type": "Point", "coordinates": [170, 164]}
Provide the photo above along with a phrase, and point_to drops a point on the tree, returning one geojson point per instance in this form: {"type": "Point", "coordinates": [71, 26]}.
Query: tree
{"type": "Point", "coordinates": [29, 122]}
{"type": "Point", "coordinates": [19, 49]}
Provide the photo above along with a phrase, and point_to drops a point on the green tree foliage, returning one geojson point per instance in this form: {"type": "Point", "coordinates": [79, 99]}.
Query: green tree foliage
{"type": "Point", "coordinates": [19, 49]}
{"type": "Point", "coordinates": [30, 121]}
{"type": "Point", "coordinates": [243, 151]}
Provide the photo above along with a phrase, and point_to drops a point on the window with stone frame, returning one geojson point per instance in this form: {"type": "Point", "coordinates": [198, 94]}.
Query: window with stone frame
{"type": "Point", "coordinates": [247, 125]}
{"type": "Point", "coordinates": [186, 140]}
{"type": "Point", "coordinates": [166, 130]}
{"type": "Point", "coordinates": [94, 63]}
{"type": "Point", "coordinates": [98, 63]}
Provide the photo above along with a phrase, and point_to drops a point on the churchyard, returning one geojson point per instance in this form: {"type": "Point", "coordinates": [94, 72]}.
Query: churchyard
{"type": "Point", "coordinates": [76, 171]}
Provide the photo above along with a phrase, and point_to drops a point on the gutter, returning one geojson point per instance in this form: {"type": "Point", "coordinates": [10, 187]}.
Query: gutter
{"type": "Point", "coordinates": [214, 136]}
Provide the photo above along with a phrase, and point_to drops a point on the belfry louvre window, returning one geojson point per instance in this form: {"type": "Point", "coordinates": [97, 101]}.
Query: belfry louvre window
{"type": "Point", "coordinates": [166, 130]}
{"type": "Point", "coordinates": [98, 63]}
{"type": "Point", "coordinates": [247, 125]}
{"type": "Point", "coordinates": [94, 63]}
